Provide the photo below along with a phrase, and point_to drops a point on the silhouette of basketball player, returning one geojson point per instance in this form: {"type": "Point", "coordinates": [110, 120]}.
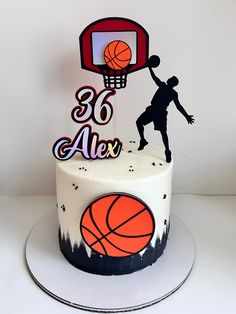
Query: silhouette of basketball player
{"type": "Point", "coordinates": [157, 111]}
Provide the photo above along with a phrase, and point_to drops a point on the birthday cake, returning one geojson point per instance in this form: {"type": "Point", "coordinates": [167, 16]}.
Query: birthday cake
{"type": "Point", "coordinates": [113, 197]}
{"type": "Point", "coordinates": [114, 214]}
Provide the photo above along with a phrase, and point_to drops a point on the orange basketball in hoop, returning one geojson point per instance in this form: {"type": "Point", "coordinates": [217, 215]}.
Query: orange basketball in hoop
{"type": "Point", "coordinates": [117, 55]}
{"type": "Point", "coordinates": [117, 225]}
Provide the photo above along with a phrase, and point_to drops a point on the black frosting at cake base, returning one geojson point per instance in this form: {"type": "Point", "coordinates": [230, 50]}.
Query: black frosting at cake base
{"type": "Point", "coordinates": [107, 265]}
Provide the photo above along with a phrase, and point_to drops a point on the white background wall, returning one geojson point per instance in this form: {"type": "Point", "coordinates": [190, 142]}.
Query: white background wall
{"type": "Point", "coordinates": [40, 72]}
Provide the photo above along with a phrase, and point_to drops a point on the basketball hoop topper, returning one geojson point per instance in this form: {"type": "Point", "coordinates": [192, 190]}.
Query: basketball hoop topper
{"type": "Point", "coordinates": [114, 47]}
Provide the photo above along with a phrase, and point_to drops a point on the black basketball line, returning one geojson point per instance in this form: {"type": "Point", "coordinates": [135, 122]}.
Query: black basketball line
{"type": "Point", "coordinates": [118, 53]}
{"type": "Point", "coordinates": [94, 237]}
{"type": "Point", "coordinates": [112, 62]}
{"type": "Point", "coordinates": [118, 248]}
{"type": "Point", "coordinates": [133, 236]}
{"type": "Point", "coordinates": [121, 50]}
{"type": "Point", "coordinates": [124, 222]}
{"type": "Point", "coordinates": [118, 41]}
{"type": "Point", "coordinates": [110, 57]}
{"type": "Point", "coordinates": [93, 221]}
{"type": "Point", "coordinates": [107, 219]}
{"type": "Point", "coordinates": [124, 59]}
{"type": "Point", "coordinates": [109, 208]}
{"type": "Point", "coordinates": [109, 53]}
{"type": "Point", "coordinates": [95, 224]}
{"type": "Point", "coordinates": [106, 58]}
{"type": "Point", "coordinates": [122, 235]}
{"type": "Point", "coordinates": [121, 224]}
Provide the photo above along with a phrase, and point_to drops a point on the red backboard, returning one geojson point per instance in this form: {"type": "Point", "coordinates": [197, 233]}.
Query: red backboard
{"type": "Point", "coordinates": [96, 36]}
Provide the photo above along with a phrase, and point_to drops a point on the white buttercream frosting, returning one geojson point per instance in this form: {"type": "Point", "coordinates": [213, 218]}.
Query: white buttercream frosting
{"type": "Point", "coordinates": [144, 174]}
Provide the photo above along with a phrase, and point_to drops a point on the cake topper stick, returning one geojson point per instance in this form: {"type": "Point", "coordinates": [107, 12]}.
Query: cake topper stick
{"type": "Point", "coordinates": [157, 111]}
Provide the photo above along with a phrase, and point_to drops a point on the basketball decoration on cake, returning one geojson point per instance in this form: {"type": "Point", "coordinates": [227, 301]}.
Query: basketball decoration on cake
{"type": "Point", "coordinates": [117, 55]}
{"type": "Point", "coordinates": [117, 225]}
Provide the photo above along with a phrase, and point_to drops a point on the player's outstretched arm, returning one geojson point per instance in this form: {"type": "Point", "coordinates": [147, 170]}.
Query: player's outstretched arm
{"type": "Point", "coordinates": [181, 109]}
{"type": "Point", "coordinates": [155, 78]}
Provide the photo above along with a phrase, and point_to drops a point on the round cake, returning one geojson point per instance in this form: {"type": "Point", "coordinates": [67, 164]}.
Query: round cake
{"type": "Point", "coordinates": [114, 213]}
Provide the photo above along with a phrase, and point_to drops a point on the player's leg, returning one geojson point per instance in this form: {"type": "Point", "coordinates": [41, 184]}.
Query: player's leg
{"type": "Point", "coordinates": [166, 143]}
{"type": "Point", "coordinates": [140, 127]}
{"type": "Point", "coordinates": [142, 120]}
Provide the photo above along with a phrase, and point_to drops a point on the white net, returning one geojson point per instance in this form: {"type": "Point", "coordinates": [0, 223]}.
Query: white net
{"type": "Point", "coordinates": [114, 79]}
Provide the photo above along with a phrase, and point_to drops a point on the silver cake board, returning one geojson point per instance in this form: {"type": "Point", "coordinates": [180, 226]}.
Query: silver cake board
{"type": "Point", "coordinates": [107, 294]}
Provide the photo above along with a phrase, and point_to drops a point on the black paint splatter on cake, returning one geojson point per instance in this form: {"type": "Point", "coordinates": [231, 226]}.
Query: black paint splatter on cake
{"type": "Point", "coordinates": [75, 186]}
{"type": "Point", "coordinates": [131, 169]}
{"type": "Point", "coordinates": [83, 168]}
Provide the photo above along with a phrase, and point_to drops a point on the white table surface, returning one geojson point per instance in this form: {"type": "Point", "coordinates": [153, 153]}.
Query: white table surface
{"type": "Point", "coordinates": [211, 287]}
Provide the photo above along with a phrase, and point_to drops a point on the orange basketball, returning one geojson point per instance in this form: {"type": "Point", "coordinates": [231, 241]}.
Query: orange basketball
{"type": "Point", "coordinates": [117, 55]}
{"type": "Point", "coordinates": [117, 225]}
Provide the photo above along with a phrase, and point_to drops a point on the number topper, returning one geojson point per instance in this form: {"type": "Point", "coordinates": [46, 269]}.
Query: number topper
{"type": "Point", "coordinates": [95, 106]}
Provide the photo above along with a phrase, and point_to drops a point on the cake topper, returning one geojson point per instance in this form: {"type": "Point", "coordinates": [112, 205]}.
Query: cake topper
{"type": "Point", "coordinates": [114, 47]}
{"type": "Point", "coordinates": [157, 111]}
{"type": "Point", "coordinates": [90, 106]}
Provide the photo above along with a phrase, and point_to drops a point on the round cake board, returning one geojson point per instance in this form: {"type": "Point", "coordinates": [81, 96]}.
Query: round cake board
{"type": "Point", "coordinates": [107, 294]}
